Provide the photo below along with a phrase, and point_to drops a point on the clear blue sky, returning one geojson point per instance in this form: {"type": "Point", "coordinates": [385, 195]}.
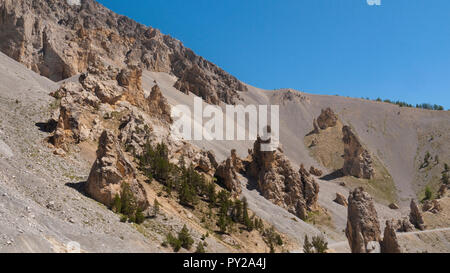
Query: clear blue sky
{"type": "Point", "coordinates": [399, 50]}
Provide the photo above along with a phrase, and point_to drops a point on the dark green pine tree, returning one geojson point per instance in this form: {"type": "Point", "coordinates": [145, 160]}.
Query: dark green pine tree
{"type": "Point", "coordinates": [185, 238]}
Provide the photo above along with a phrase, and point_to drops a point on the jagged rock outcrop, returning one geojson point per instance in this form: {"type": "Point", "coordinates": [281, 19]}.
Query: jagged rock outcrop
{"type": "Point", "coordinates": [227, 173]}
{"type": "Point", "coordinates": [110, 171]}
{"type": "Point", "coordinates": [327, 119]}
{"type": "Point", "coordinates": [432, 206]}
{"type": "Point", "coordinates": [310, 189]}
{"type": "Point", "coordinates": [341, 200]}
{"type": "Point", "coordinates": [202, 161]}
{"type": "Point", "coordinates": [58, 40]}
{"type": "Point", "coordinates": [415, 216]}
{"type": "Point", "coordinates": [158, 105]}
{"type": "Point", "coordinates": [357, 160]}
{"type": "Point", "coordinates": [101, 81]}
{"type": "Point", "coordinates": [362, 222]}
{"type": "Point", "coordinates": [280, 183]}
{"type": "Point", "coordinates": [107, 93]}
{"type": "Point", "coordinates": [135, 132]}
{"type": "Point", "coordinates": [74, 123]}
{"type": "Point", "coordinates": [206, 162]}
{"type": "Point", "coordinates": [315, 172]}
{"type": "Point", "coordinates": [404, 225]}
{"type": "Point", "coordinates": [209, 87]}
{"type": "Point", "coordinates": [390, 243]}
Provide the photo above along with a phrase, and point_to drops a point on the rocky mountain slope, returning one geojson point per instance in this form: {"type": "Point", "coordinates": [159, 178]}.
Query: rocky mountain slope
{"type": "Point", "coordinates": [96, 123]}
{"type": "Point", "coordinates": [58, 39]}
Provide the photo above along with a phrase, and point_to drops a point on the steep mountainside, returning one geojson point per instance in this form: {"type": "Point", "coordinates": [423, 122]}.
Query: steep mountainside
{"type": "Point", "coordinates": [59, 40]}
{"type": "Point", "coordinates": [87, 153]}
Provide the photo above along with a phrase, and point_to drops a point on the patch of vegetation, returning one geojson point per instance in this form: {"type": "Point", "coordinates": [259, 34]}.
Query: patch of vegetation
{"type": "Point", "coordinates": [200, 248]}
{"type": "Point", "coordinates": [272, 238]}
{"type": "Point", "coordinates": [184, 240]}
{"type": "Point", "coordinates": [426, 106]}
{"type": "Point", "coordinates": [217, 210]}
{"type": "Point", "coordinates": [318, 244]}
{"type": "Point", "coordinates": [426, 160]}
{"type": "Point", "coordinates": [319, 218]}
{"type": "Point", "coordinates": [173, 242]}
{"type": "Point", "coordinates": [428, 194]}
{"type": "Point", "coordinates": [126, 204]}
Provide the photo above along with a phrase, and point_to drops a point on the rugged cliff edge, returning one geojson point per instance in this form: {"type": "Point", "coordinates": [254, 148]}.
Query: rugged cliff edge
{"type": "Point", "coordinates": [58, 40]}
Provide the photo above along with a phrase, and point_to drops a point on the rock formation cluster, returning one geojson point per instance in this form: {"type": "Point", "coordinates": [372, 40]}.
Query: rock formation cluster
{"type": "Point", "coordinates": [110, 171]}
{"type": "Point", "coordinates": [278, 182]}
{"type": "Point", "coordinates": [62, 44]}
{"type": "Point", "coordinates": [432, 206]}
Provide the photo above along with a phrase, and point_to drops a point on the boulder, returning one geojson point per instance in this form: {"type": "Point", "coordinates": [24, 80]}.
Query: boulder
{"type": "Point", "coordinates": [393, 206]}
{"type": "Point", "coordinates": [315, 172]}
{"type": "Point", "coordinates": [341, 200]}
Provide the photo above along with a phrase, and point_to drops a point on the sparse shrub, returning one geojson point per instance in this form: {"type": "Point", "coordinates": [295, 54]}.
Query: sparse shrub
{"type": "Point", "coordinates": [222, 223]}
{"type": "Point", "coordinates": [307, 246]}
{"type": "Point", "coordinates": [320, 244]}
{"type": "Point", "coordinates": [426, 161]}
{"type": "Point", "coordinates": [444, 178]}
{"type": "Point", "coordinates": [117, 205]}
{"type": "Point", "coordinates": [200, 248]}
{"type": "Point", "coordinates": [125, 203]}
{"type": "Point", "coordinates": [155, 207]}
{"type": "Point", "coordinates": [154, 163]}
{"type": "Point", "coordinates": [185, 238]}
{"type": "Point", "coordinates": [211, 193]}
{"type": "Point", "coordinates": [279, 240]}
{"type": "Point", "coordinates": [139, 217]}
{"type": "Point", "coordinates": [174, 242]}
{"type": "Point", "coordinates": [428, 193]}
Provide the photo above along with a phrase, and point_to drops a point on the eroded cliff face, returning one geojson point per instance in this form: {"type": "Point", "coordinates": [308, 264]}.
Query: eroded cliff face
{"type": "Point", "coordinates": [357, 160]}
{"type": "Point", "coordinates": [58, 40]}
